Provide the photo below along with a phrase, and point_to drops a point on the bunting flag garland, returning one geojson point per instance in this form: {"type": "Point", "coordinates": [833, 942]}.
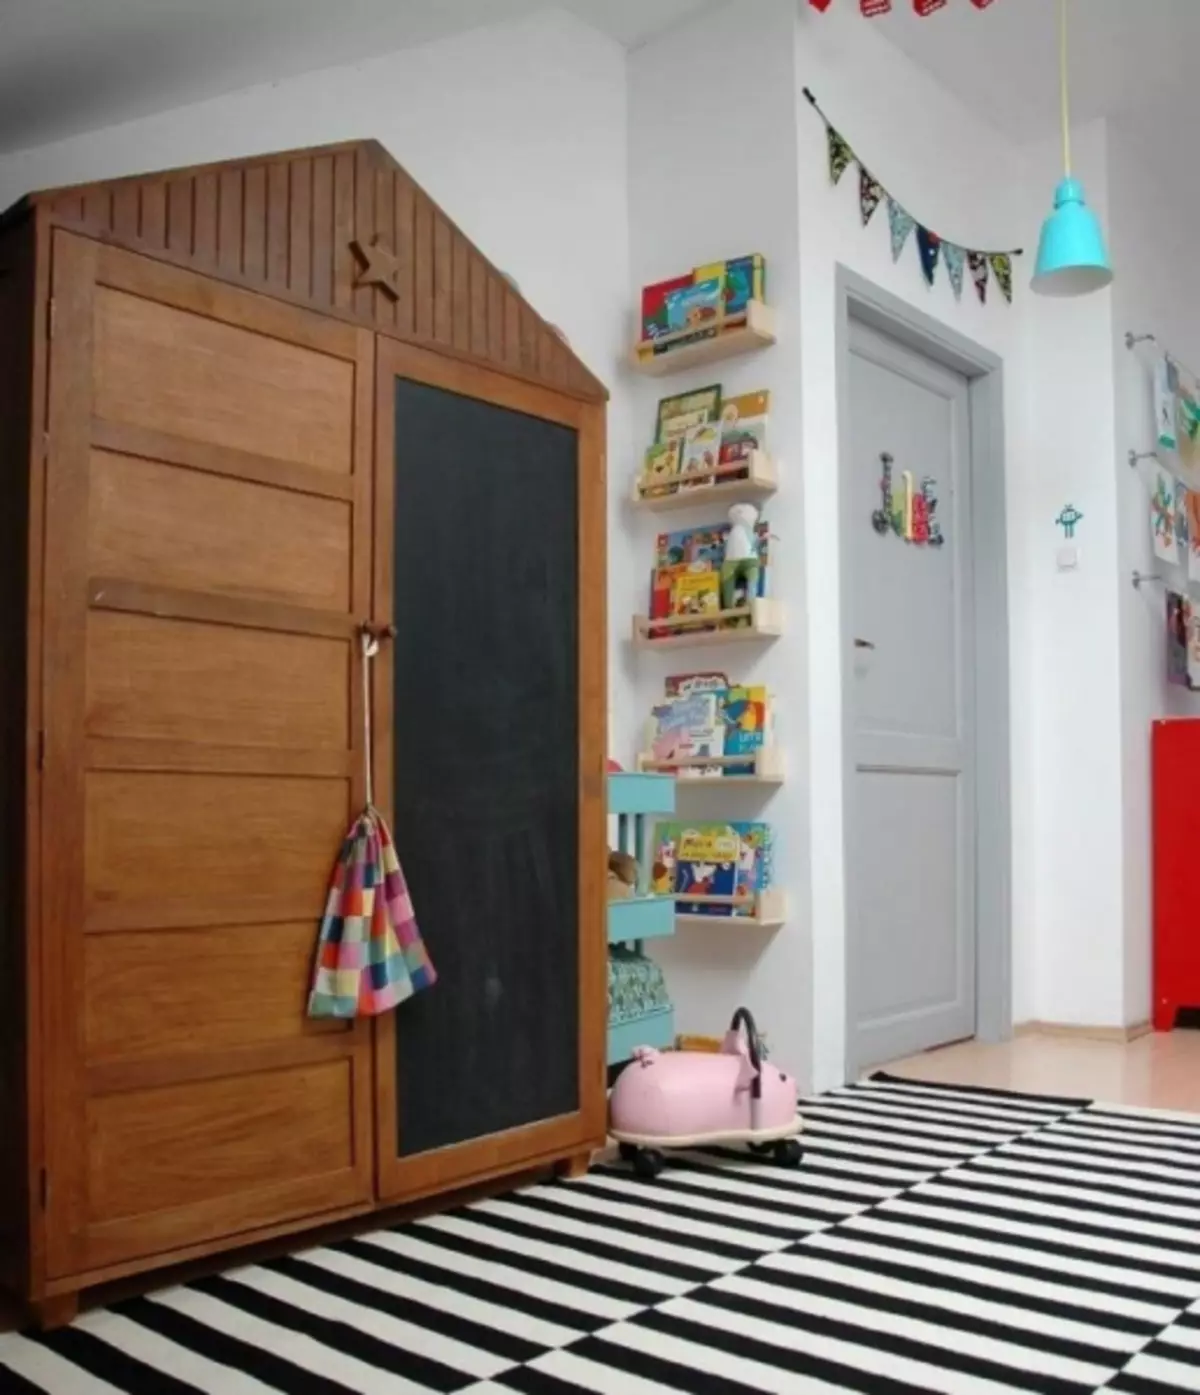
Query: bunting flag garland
{"type": "Point", "coordinates": [871, 8]}
{"type": "Point", "coordinates": [841, 157]}
{"type": "Point", "coordinates": [927, 7]}
{"type": "Point", "coordinates": [901, 223]}
{"type": "Point", "coordinates": [978, 263]}
{"type": "Point", "coordinates": [931, 246]}
{"type": "Point", "coordinates": [1002, 271]}
{"type": "Point", "coordinates": [870, 194]}
{"type": "Point", "coordinates": [953, 255]}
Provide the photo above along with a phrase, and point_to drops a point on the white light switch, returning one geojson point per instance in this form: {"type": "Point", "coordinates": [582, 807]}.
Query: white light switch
{"type": "Point", "coordinates": [1068, 558]}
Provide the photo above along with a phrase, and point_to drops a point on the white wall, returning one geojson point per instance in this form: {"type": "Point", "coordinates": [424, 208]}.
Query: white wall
{"type": "Point", "coordinates": [713, 174]}
{"type": "Point", "coordinates": [1154, 213]}
{"type": "Point", "coordinates": [517, 131]}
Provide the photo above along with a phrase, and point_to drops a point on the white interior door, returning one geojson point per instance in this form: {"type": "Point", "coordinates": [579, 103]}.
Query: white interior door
{"type": "Point", "coordinates": [911, 803]}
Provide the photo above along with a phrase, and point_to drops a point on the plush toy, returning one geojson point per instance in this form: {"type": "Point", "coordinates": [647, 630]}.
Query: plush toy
{"type": "Point", "coordinates": [622, 875]}
{"type": "Point", "coordinates": [740, 545]}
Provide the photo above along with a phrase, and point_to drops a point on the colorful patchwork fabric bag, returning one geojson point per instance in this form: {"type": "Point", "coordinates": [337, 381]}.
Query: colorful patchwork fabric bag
{"type": "Point", "coordinates": [370, 955]}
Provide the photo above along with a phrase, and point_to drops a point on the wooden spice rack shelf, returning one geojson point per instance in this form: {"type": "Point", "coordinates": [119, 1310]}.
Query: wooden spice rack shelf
{"type": "Point", "coordinates": [689, 631]}
{"type": "Point", "coordinates": [673, 353]}
{"type": "Point", "coordinates": [770, 911]}
{"type": "Point", "coordinates": [760, 482]}
{"type": "Point", "coordinates": [767, 762]}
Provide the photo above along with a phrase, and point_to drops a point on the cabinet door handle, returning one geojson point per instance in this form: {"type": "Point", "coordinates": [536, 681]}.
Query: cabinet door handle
{"type": "Point", "coordinates": [863, 644]}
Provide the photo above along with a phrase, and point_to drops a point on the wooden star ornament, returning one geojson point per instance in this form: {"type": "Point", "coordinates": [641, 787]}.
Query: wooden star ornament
{"type": "Point", "coordinates": [378, 266]}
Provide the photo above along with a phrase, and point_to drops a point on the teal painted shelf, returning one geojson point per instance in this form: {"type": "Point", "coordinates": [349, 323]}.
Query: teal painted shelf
{"type": "Point", "coordinates": [638, 793]}
{"type": "Point", "coordinates": [654, 1029]}
{"type": "Point", "coordinates": [640, 918]}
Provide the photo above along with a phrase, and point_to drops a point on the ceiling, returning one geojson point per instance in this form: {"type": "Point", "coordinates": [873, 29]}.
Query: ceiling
{"type": "Point", "coordinates": [1002, 62]}
{"type": "Point", "coordinates": [72, 65]}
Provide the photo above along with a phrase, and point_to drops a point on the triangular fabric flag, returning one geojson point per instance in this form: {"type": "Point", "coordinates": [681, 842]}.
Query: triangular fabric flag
{"type": "Point", "coordinates": [1002, 270]}
{"type": "Point", "coordinates": [870, 194]}
{"type": "Point", "coordinates": [954, 255]}
{"type": "Point", "coordinates": [978, 263]}
{"type": "Point", "coordinates": [927, 7]}
{"type": "Point", "coordinates": [902, 223]}
{"type": "Point", "coordinates": [823, 5]}
{"type": "Point", "coordinates": [979, 4]}
{"type": "Point", "coordinates": [840, 154]}
{"type": "Point", "coordinates": [871, 8]}
{"type": "Point", "coordinates": [929, 244]}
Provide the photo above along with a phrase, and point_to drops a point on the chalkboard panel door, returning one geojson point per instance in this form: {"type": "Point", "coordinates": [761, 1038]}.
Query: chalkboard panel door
{"type": "Point", "coordinates": [489, 543]}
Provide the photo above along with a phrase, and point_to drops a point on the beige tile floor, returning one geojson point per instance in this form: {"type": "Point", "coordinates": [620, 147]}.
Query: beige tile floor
{"type": "Point", "coordinates": [1158, 1071]}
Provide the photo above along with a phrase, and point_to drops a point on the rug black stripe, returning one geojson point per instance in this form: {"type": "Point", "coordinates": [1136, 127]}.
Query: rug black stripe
{"type": "Point", "coordinates": [1166, 1128]}
{"type": "Point", "coordinates": [767, 1226]}
{"type": "Point", "coordinates": [214, 1345]}
{"type": "Point", "coordinates": [684, 1379]}
{"type": "Point", "coordinates": [967, 1177]}
{"type": "Point", "coordinates": [1139, 1146]}
{"type": "Point", "coordinates": [574, 1319]}
{"type": "Point", "coordinates": [970, 1107]}
{"type": "Point", "coordinates": [1031, 1172]}
{"type": "Point", "coordinates": [990, 1130]}
{"type": "Point", "coordinates": [1050, 1249]}
{"type": "Point", "coordinates": [929, 1311]}
{"type": "Point", "coordinates": [1066, 1103]}
{"type": "Point", "coordinates": [896, 1133]}
{"type": "Point", "coordinates": [928, 1197]}
{"type": "Point", "coordinates": [337, 1336]}
{"type": "Point", "coordinates": [13, 1384]}
{"type": "Point", "coordinates": [764, 1173]}
{"type": "Point", "coordinates": [1129, 1384]}
{"type": "Point", "coordinates": [944, 1357]}
{"type": "Point", "coordinates": [642, 1230]}
{"type": "Point", "coordinates": [781, 1209]}
{"type": "Point", "coordinates": [998, 1292]}
{"type": "Point", "coordinates": [1145, 1169]}
{"type": "Point", "coordinates": [577, 1273]}
{"type": "Point", "coordinates": [109, 1363]}
{"type": "Point", "coordinates": [500, 1343]}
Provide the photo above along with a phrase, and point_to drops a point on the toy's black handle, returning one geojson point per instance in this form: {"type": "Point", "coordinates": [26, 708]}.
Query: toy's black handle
{"type": "Point", "coordinates": [743, 1018]}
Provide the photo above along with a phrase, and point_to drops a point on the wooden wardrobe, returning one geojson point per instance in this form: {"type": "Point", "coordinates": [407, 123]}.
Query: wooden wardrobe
{"type": "Point", "coordinates": [245, 411]}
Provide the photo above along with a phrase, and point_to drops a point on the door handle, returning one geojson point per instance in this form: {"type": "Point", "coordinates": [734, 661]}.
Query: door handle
{"type": "Point", "coordinates": [863, 644]}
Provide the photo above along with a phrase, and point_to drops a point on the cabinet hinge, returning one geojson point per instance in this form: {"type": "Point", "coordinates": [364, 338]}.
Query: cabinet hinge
{"type": "Point", "coordinates": [53, 317]}
{"type": "Point", "coordinates": [44, 1188]}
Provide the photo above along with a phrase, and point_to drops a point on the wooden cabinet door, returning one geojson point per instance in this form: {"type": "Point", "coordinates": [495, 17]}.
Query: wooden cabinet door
{"type": "Point", "coordinates": [490, 524]}
{"type": "Point", "coordinates": [207, 560]}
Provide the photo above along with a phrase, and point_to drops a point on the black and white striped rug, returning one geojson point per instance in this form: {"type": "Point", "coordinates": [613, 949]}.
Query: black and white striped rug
{"type": "Point", "coordinates": [935, 1239]}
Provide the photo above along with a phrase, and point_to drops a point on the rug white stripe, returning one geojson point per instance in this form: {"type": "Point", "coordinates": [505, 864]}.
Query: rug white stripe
{"type": "Point", "coordinates": [1184, 1337]}
{"type": "Point", "coordinates": [990, 1127]}
{"type": "Point", "coordinates": [671, 1189]}
{"type": "Point", "coordinates": [942, 1139]}
{"type": "Point", "coordinates": [827, 1162]}
{"type": "Point", "coordinates": [889, 1228]}
{"type": "Point", "coordinates": [1088, 1126]}
{"type": "Point", "coordinates": [896, 1149]}
{"type": "Point", "coordinates": [1072, 1216]}
{"type": "Point", "coordinates": [162, 1354]}
{"type": "Point", "coordinates": [1089, 1140]}
{"type": "Point", "coordinates": [1178, 1375]}
{"type": "Point", "coordinates": [1004, 1161]}
{"type": "Point", "coordinates": [874, 1320]}
{"type": "Point", "coordinates": [837, 1242]}
{"type": "Point", "coordinates": [576, 1370]}
{"type": "Point", "coordinates": [1148, 1175]}
{"type": "Point", "coordinates": [49, 1370]}
{"type": "Point", "coordinates": [506, 1276]}
{"type": "Point", "coordinates": [585, 1231]}
{"type": "Point", "coordinates": [966, 1105]}
{"type": "Point", "coordinates": [1089, 1195]}
{"type": "Point", "coordinates": [629, 1209]}
{"type": "Point", "coordinates": [925, 1376]}
{"type": "Point", "coordinates": [1031, 1105]}
{"type": "Point", "coordinates": [407, 1336]}
{"type": "Point", "coordinates": [580, 1260]}
{"type": "Point", "coordinates": [444, 1298]}
{"type": "Point", "coordinates": [930, 1294]}
{"type": "Point", "coordinates": [1146, 1118]}
{"type": "Point", "coordinates": [301, 1351]}
{"type": "Point", "coordinates": [826, 1167]}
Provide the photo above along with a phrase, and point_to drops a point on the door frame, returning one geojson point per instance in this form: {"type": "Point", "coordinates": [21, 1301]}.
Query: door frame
{"type": "Point", "coordinates": [859, 299]}
{"type": "Point", "coordinates": [576, 1134]}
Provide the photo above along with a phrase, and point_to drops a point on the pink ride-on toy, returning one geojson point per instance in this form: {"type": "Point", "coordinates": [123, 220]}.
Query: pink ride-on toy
{"type": "Point", "coordinates": [688, 1099]}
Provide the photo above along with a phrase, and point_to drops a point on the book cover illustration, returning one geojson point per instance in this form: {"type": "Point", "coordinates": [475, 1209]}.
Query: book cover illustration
{"type": "Point", "coordinates": [745, 406]}
{"type": "Point", "coordinates": [666, 847]}
{"type": "Point", "coordinates": [706, 864]}
{"type": "Point", "coordinates": [744, 711]}
{"type": "Point", "coordinates": [685, 684]}
{"type": "Point", "coordinates": [679, 414]}
{"type": "Point", "coordinates": [700, 456]}
{"type": "Point", "coordinates": [662, 588]}
{"type": "Point", "coordinates": [654, 304]}
{"type": "Point", "coordinates": [739, 440]}
{"type": "Point", "coordinates": [743, 279]}
{"type": "Point", "coordinates": [660, 470]}
{"type": "Point", "coordinates": [697, 306]}
{"type": "Point", "coordinates": [685, 547]}
{"type": "Point", "coordinates": [756, 863]}
{"type": "Point", "coordinates": [685, 728]}
{"type": "Point", "coordinates": [696, 592]}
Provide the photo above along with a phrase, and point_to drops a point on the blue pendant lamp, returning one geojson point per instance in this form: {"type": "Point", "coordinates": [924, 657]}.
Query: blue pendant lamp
{"type": "Point", "coordinates": [1072, 259]}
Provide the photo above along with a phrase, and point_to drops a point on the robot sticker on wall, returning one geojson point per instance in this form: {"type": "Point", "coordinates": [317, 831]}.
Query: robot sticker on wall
{"type": "Point", "coordinates": [907, 511]}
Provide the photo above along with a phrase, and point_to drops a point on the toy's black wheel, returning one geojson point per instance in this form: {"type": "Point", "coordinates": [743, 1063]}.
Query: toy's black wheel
{"type": "Point", "coordinates": [788, 1152]}
{"type": "Point", "coordinates": [648, 1163]}
{"type": "Point", "coordinates": [762, 1149]}
{"type": "Point", "coordinates": [628, 1151]}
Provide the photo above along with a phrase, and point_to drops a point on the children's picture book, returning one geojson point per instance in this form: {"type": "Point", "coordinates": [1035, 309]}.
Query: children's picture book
{"type": "Point", "coordinates": [700, 456]}
{"type": "Point", "coordinates": [654, 304]}
{"type": "Point", "coordinates": [695, 306]}
{"type": "Point", "coordinates": [742, 279]}
{"type": "Point", "coordinates": [745, 712]}
{"type": "Point", "coordinates": [745, 406]}
{"type": "Point", "coordinates": [696, 593]}
{"type": "Point", "coordinates": [714, 859]}
{"type": "Point", "coordinates": [685, 684]}
{"type": "Point", "coordinates": [687, 546]}
{"type": "Point", "coordinates": [679, 414]}
{"type": "Point", "coordinates": [660, 470]}
{"type": "Point", "coordinates": [685, 728]}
